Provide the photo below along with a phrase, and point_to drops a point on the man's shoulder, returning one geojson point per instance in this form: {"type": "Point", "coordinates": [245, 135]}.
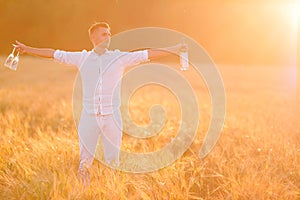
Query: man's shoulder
{"type": "Point", "coordinates": [86, 51]}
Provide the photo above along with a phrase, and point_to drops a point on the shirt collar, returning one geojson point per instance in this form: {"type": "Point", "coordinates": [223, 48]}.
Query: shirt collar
{"type": "Point", "coordinates": [99, 52]}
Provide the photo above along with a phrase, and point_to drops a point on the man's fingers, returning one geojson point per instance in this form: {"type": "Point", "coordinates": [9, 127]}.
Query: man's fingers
{"type": "Point", "coordinates": [18, 42]}
{"type": "Point", "coordinates": [184, 46]}
{"type": "Point", "coordinates": [20, 50]}
{"type": "Point", "coordinates": [19, 47]}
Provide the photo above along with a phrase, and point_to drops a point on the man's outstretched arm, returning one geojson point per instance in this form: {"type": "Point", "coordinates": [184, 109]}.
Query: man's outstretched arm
{"type": "Point", "coordinates": [41, 52]}
{"type": "Point", "coordinates": [162, 52]}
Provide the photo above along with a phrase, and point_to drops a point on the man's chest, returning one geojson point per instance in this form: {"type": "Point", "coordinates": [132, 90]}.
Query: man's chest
{"type": "Point", "coordinates": [105, 67]}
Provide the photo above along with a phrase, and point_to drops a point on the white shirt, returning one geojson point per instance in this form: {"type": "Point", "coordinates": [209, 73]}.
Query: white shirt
{"type": "Point", "coordinates": [101, 76]}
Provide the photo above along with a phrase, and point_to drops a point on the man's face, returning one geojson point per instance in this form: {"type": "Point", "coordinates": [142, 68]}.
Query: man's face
{"type": "Point", "coordinates": [101, 36]}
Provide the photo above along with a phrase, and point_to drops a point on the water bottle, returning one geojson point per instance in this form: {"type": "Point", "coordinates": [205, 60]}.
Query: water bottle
{"type": "Point", "coordinates": [184, 59]}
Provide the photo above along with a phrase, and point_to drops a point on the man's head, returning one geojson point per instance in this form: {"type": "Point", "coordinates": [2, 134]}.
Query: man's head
{"type": "Point", "coordinates": [100, 34]}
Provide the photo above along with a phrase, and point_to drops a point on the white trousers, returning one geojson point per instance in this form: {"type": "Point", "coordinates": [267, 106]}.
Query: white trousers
{"type": "Point", "coordinates": [108, 127]}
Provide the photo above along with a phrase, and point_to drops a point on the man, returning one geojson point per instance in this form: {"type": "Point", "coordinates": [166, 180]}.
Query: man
{"type": "Point", "coordinates": [100, 70]}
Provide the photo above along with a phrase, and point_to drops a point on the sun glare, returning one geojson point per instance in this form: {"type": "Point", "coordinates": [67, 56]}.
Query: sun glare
{"type": "Point", "coordinates": [294, 12]}
{"type": "Point", "coordinates": [290, 13]}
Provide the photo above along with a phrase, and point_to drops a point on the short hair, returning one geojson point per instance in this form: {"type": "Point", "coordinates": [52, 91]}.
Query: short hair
{"type": "Point", "coordinates": [96, 25]}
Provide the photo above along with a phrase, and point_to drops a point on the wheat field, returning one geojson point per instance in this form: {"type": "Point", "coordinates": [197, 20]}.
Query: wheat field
{"type": "Point", "coordinates": [256, 157]}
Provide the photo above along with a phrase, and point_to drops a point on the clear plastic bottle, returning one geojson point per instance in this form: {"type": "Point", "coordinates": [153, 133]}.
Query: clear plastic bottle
{"type": "Point", "coordinates": [184, 58]}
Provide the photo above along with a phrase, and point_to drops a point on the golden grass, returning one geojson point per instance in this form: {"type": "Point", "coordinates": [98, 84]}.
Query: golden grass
{"type": "Point", "coordinates": [257, 156]}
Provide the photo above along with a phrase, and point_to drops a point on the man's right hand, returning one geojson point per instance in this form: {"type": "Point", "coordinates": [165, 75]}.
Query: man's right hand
{"type": "Point", "coordinates": [20, 47]}
{"type": "Point", "coordinates": [41, 52]}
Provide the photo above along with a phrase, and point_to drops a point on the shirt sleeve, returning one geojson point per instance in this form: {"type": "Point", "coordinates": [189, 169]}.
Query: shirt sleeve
{"type": "Point", "coordinates": [134, 58]}
{"type": "Point", "coordinates": [70, 58]}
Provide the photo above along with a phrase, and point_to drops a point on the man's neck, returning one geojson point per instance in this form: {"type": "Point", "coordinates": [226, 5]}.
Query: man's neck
{"type": "Point", "coordinates": [99, 49]}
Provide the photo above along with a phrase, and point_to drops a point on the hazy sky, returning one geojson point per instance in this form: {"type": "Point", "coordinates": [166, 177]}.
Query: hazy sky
{"type": "Point", "coordinates": [252, 32]}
